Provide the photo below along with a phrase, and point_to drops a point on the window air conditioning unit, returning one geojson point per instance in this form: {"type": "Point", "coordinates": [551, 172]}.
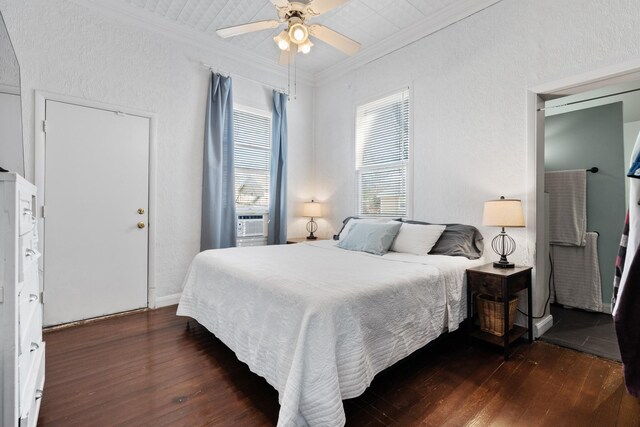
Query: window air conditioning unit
{"type": "Point", "coordinates": [252, 229]}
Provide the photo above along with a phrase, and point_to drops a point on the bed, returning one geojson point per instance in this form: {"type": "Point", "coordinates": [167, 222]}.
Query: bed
{"type": "Point", "coordinates": [319, 322]}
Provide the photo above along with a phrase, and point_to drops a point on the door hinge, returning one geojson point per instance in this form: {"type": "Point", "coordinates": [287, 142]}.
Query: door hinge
{"type": "Point", "coordinates": [44, 126]}
{"type": "Point", "coordinates": [42, 297]}
{"type": "Point", "coordinates": [42, 211]}
{"type": "Point", "coordinates": [1, 294]}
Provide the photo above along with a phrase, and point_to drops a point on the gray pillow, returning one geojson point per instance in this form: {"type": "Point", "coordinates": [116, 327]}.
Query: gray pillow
{"type": "Point", "coordinates": [374, 238]}
{"type": "Point", "coordinates": [457, 240]}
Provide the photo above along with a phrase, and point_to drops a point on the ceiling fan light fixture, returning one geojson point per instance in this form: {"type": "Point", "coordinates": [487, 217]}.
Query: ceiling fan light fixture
{"type": "Point", "coordinates": [298, 33]}
{"type": "Point", "coordinates": [305, 47]}
{"type": "Point", "coordinates": [282, 40]}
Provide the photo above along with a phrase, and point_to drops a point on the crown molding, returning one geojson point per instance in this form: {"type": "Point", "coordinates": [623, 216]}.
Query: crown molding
{"type": "Point", "coordinates": [140, 18]}
{"type": "Point", "coordinates": [449, 15]}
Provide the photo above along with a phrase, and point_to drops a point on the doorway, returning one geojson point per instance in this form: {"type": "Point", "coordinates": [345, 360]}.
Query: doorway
{"type": "Point", "coordinates": [585, 134]}
{"type": "Point", "coordinates": [94, 177]}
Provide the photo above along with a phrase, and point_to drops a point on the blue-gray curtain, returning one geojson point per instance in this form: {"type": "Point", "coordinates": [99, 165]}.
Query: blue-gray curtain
{"type": "Point", "coordinates": [278, 176]}
{"type": "Point", "coordinates": [218, 192]}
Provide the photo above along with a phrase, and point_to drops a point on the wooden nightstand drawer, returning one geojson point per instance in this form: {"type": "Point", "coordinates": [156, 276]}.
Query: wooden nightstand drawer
{"type": "Point", "coordinates": [484, 283]}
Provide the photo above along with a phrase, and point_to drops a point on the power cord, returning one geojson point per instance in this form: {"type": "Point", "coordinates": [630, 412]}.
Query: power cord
{"type": "Point", "coordinates": [546, 304]}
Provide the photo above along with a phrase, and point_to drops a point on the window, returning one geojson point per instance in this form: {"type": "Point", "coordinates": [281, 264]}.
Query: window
{"type": "Point", "coordinates": [382, 155]}
{"type": "Point", "coordinates": [252, 156]}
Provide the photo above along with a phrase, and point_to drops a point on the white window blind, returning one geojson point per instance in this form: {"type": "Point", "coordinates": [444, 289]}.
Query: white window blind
{"type": "Point", "coordinates": [382, 155]}
{"type": "Point", "coordinates": [252, 156]}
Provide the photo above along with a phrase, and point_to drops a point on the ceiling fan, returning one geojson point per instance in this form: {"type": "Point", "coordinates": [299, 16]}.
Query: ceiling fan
{"type": "Point", "coordinates": [295, 38]}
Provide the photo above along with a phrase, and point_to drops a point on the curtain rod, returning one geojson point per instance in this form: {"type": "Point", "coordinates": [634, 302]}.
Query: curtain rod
{"type": "Point", "coordinates": [228, 74]}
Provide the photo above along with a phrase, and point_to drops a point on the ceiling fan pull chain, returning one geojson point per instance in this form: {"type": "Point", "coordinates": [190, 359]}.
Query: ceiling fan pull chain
{"type": "Point", "coordinates": [289, 78]}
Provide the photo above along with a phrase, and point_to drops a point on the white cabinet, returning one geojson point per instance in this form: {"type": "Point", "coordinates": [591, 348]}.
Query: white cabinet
{"type": "Point", "coordinates": [21, 346]}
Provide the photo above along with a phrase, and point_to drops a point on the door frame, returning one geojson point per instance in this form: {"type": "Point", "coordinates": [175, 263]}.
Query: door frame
{"type": "Point", "coordinates": [536, 95]}
{"type": "Point", "coordinates": [41, 97]}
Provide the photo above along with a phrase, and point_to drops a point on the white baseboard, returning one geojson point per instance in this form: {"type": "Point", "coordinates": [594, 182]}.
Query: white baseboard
{"type": "Point", "coordinates": [167, 300]}
{"type": "Point", "coordinates": [543, 325]}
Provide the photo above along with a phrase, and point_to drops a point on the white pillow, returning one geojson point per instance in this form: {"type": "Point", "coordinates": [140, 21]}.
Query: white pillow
{"type": "Point", "coordinates": [417, 239]}
{"type": "Point", "coordinates": [352, 221]}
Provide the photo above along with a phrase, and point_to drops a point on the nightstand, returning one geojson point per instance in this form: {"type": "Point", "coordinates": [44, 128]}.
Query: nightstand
{"type": "Point", "coordinates": [502, 283]}
{"type": "Point", "coordinates": [291, 240]}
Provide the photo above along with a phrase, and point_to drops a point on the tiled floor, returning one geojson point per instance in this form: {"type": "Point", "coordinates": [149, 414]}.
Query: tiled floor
{"type": "Point", "coordinates": [585, 331]}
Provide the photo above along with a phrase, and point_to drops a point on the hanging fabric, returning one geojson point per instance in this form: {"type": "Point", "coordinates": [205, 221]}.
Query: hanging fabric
{"type": "Point", "coordinates": [218, 190]}
{"type": "Point", "coordinates": [620, 259]}
{"type": "Point", "coordinates": [567, 206]}
{"type": "Point", "coordinates": [626, 311]}
{"type": "Point", "coordinates": [627, 319]}
{"type": "Point", "coordinates": [573, 249]}
{"type": "Point", "coordinates": [278, 189]}
{"type": "Point", "coordinates": [576, 274]}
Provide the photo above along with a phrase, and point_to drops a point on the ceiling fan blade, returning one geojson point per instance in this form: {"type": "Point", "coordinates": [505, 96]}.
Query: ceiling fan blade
{"type": "Point", "coordinates": [318, 7]}
{"type": "Point", "coordinates": [287, 57]}
{"type": "Point", "coordinates": [236, 30]}
{"type": "Point", "coordinates": [280, 3]}
{"type": "Point", "coordinates": [334, 38]}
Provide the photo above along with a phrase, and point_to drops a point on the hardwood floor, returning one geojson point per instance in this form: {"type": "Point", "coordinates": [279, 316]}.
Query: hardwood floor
{"type": "Point", "coordinates": [149, 368]}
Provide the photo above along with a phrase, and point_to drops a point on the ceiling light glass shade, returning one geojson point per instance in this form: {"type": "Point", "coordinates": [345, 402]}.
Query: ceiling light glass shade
{"type": "Point", "coordinates": [503, 213]}
{"type": "Point", "coordinates": [305, 47]}
{"type": "Point", "coordinates": [298, 33]}
{"type": "Point", "coordinates": [282, 40]}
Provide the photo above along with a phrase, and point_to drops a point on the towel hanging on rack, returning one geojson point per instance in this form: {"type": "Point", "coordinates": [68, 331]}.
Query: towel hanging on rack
{"type": "Point", "coordinates": [576, 274]}
{"type": "Point", "coordinates": [567, 206]}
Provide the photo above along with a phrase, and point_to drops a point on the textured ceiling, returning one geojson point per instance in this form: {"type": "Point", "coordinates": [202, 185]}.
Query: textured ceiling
{"type": "Point", "coordinates": [367, 21]}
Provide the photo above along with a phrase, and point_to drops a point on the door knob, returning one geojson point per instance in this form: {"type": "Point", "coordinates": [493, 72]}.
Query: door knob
{"type": "Point", "coordinates": [141, 211]}
{"type": "Point", "coordinates": [141, 224]}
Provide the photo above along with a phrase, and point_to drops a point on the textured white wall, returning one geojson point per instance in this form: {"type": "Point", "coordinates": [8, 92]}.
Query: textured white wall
{"type": "Point", "coordinates": [9, 73]}
{"type": "Point", "coordinates": [68, 49]}
{"type": "Point", "coordinates": [469, 83]}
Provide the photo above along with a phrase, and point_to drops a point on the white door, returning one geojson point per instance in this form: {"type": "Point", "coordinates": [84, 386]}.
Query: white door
{"type": "Point", "coordinates": [96, 196]}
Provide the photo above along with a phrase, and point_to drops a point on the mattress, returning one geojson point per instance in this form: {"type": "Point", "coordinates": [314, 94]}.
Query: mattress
{"type": "Point", "coordinates": [319, 322]}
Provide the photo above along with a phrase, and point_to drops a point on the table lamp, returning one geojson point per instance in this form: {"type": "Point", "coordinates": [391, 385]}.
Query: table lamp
{"type": "Point", "coordinates": [312, 210]}
{"type": "Point", "coordinates": [503, 213]}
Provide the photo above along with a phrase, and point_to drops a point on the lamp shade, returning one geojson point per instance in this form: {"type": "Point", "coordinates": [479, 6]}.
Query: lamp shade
{"type": "Point", "coordinates": [312, 209]}
{"type": "Point", "coordinates": [503, 213]}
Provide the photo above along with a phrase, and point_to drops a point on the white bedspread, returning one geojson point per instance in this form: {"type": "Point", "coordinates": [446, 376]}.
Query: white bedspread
{"type": "Point", "coordinates": [318, 322]}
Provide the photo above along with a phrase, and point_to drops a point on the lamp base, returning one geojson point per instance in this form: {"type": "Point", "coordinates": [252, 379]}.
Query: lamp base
{"type": "Point", "coordinates": [312, 227]}
{"type": "Point", "coordinates": [499, 264]}
{"type": "Point", "coordinates": [504, 246]}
